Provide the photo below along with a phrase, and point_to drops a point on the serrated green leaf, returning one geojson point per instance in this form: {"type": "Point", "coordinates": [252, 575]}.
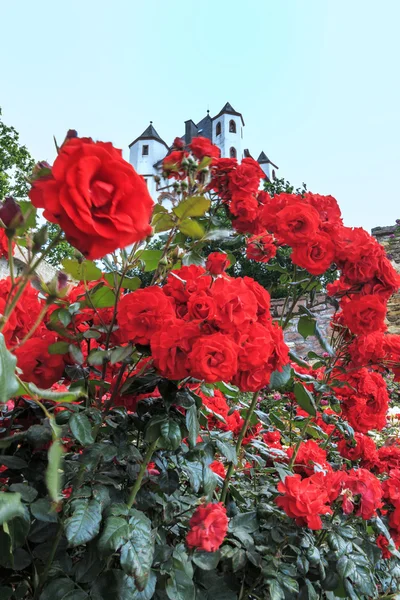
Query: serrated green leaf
{"type": "Point", "coordinates": [137, 553]}
{"type": "Point", "coordinates": [170, 435]}
{"type": "Point", "coordinates": [102, 297]}
{"type": "Point", "coordinates": [28, 493]}
{"type": "Point", "coordinates": [191, 228]}
{"type": "Point", "coordinates": [305, 399]}
{"type": "Point", "coordinates": [208, 561]}
{"type": "Point", "coordinates": [58, 348]}
{"type": "Point", "coordinates": [8, 382]}
{"type": "Point", "coordinates": [53, 471]}
{"type": "Point", "coordinates": [84, 523]}
{"type": "Point", "coordinates": [194, 206]}
{"type": "Point", "coordinates": [180, 587]}
{"type": "Point", "coordinates": [275, 590]}
{"type": "Point", "coordinates": [82, 271]}
{"type": "Point", "coordinates": [81, 429]}
{"type": "Point", "coordinates": [150, 259]}
{"type": "Point", "coordinates": [280, 378]}
{"type": "Point", "coordinates": [228, 451]}
{"type": "Point", "coordinates": [306, 326]}
{"type": "Point", "coordinates": [192, 424]}
{"type": "Point", "coordinates": [345, 566]}
{"type": "Point", "coordinates": [127, 283]}
{"type": "Point", "coordinates": [115, 533]}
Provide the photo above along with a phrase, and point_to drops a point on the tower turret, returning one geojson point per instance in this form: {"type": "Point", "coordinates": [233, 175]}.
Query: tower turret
{"type": "Point", "coordinates": [144, 152]}
{"type": "Point", "coordinates": [227, 132]}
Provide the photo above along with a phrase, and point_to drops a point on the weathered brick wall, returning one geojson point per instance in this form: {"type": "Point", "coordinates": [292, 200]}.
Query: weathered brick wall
{"type": "Point", "coordinates": [391, 242]}
{"type": "Point", "coordinates": [322, 310]}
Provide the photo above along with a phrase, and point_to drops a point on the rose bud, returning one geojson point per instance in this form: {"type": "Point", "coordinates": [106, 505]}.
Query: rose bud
{"type": "Point", "coordinates": [178, 143]}
{"type": "Point", "coordinates": [10, 213]}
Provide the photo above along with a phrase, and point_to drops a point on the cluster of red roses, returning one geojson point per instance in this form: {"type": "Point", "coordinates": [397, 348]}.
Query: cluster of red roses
{"type": "Point", "coordinates": [206, 325]}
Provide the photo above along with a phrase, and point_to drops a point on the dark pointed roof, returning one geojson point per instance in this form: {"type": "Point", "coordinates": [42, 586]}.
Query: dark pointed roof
{"type": "Point", "coordinates": [149, 134]}
{"type": "Point", "coordinates": [204, 127]}
{"type": "Point", "coordinates": [228, 110]}
{"type": "Point", "coordinates": [263, 159]}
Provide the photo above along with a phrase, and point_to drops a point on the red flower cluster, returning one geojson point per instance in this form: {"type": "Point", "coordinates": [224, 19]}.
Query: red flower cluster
{"type": "Point", "coordinates": [304, 499]}
{"type": "Point", "coordinates": [208, 527]}
{"type": "Point", "coordinates": [96, 197]}
{"type": "Point", "coordinates": [210, 329]}
{"type": "Point", "coordinates": [231, 419]}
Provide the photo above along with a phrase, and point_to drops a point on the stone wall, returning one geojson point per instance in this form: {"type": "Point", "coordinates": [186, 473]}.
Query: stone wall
{"type": "Point", "coordinates": [324, 311]}
{"type": "Point", "coordinates": [391, 243]}
{"type": "Point", "coordinates": [44, 270]}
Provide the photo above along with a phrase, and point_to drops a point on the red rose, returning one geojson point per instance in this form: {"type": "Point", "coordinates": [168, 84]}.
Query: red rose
{"type": "Point", "coordinates": [297, 223]}
{"type": "Point", "coordinates": [365, 314]}
{"type": "Point", "coordinates": [38, 366]}
{"type": "Point", "coordinates": [261, 248]}
{"type": "Point", "coordinates": [217, 263]}
{"type": "Point", "coordinates": [142, 312]}
{"type": "Point", "coordinates": [178, 143]}
{"type": "Point", "coordinates": [263, 300]}
{"type": "Point", "coordinates": [96, 197]}
{"type": "Point", "coordinates": [391, 487]}
{"type": "Point", "coordinates": [219, 406]}
{"type": "Point", "coordinates": [365, 408]}
{"type": "Point", "coordinates": [201, 306]}
{"type": "Point", "coordinates": [181, 283]}
{"type": "Point", "coordinates": [365, 349]}
{"type": "Point", "coordinates": [304, 500]}
{"type": "Point", "coordinates": [236, 303]}
{"type": "Point", "coordinates": [364, 450]}
{"type": "Point", "coordinates": [244, 206]}
{"type": "Point", "coordinates": [328, 209]}
{"type": "Point", "coordinates": [246, 177]}
{"type": "Point", "coordinates": [218, 468]}
{"type": "Point", "coordinates": [23, 316]}
{"type": "Point", "coordinates": [201, 146]}
{"type": "Point", "coordinates": [309, 455]}
{"type": "Point", "coordinates": [382, 542]}
{"type": "Point", "coordinates": [363, 488]}
{"type": "Point", "coordinates": [316, 256]}
{"type": "Point", "coordinates": [213, 358]}
{"type": "Point", "coordinates": [170, 347]}
{"type": "Point", "coordinates": [208, 527]}
{"type": "Point", "coordinates": [172, 164]}
{"type": "Point", "coordinates": [389, 458]}
{"type": "Point", "coordinates": [4, 244]}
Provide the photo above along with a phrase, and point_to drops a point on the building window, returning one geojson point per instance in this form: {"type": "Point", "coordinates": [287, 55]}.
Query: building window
{"type": "Point", "coordinates": [145, 150]}
{"type": "Point", "coordinates": [218, 128]}
{"type": "Point", "coordinates": [273, 173]}
{"type": "Point", "coordinates": [232, 152]}
{"type": "Point", "coordinates": [232, 126]}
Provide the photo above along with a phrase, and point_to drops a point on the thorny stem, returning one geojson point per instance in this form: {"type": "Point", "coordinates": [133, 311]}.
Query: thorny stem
{"type": "Point", "coordinates": [239, 442]}
{"type": "Point", "coordinates": [136, 487]}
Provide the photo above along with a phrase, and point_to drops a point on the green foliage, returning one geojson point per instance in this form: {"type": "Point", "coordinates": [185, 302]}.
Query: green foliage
{"type": "Point", "coordinates": [16, 163]}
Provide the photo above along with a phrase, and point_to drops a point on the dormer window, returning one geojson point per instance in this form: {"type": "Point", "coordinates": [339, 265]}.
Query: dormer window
{"type": "Point", "coordinates": [232, 152]}
{"type": "Point", "coordinates": [232, 126]}
{"type": "Point", "coordinates": [218, 128]}
{"type": "Point", "coordinates": [145, 150]}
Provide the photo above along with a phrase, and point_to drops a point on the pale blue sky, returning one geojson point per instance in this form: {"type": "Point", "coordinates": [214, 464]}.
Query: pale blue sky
{"type": "Point", "coordinates": [317, 82]}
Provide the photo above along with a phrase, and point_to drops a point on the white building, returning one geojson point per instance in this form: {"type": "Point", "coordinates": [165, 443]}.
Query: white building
{"type": "Point", "coordinates": [225, 130]}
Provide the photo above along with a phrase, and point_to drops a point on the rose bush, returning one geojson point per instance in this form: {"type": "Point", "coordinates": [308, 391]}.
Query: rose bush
{"type": "Point", "coordinates": [161, 441]}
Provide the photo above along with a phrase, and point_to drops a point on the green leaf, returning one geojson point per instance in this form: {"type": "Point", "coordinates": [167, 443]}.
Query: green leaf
{"type": "Point", "coordinates": [345, 567]}
{"type": "Point", "coordinates": [84, 523]}
{"type": "Point", "coordinates": [323, 342]}
{"type": "Point", "coordinates": [120, 353]}
{"type": "Point", "coordinates": [59, 348]}
{"type": "Point", "coordinates": [13, 462]}
{"type": "Point", "coordinates": [10, 506]}
{"type": "Point", "coordinates": [275, 590]}
{"type": "Point", "coordinates": [163, 223]}
{"type": "Point", "coordinates": [228, 451]}
{"type": "Point", "coordinates": [170, 435]}
{"type": "Point", "coordinates": [312, 594]}
{"type": "Point", "coordinates": [280, 378]}
{"type": "Point", "coordinates": [8, 382]}
{"type": "Point", "coordinates": [194, 206]}
{"type": "Point", "coordinates": [18, 528]}
{"type": "Point", "coordinates": [76, 354]}
{"type": "Point", "coordinates": [87, 569]}
{"type": "Point", "coordinates": [61, 589]}
{"type": "Point", "coordinates": [180, 587]}
{"type": "Point", "coordinates": [82, 271]}
{"type": "Point", "coordinates": [115, 585]}
{"type": "Point", "coordinates": [81, 429]}
{"type": "Point", "coordinates": [29, 211]}
{"type": "Point", "coordinates": [115, 533]}
{"type": "Point", "coordinates": [53, 471]}
{"type": "Point", "coordinates": [305, 399]}
{"type": "Point", "coordinates": [192, 424]}
{"type": "Point", "coordinates": [43, 511]}
{"type": "Point", "coordinates": [68, 396]}
{"type": "Point", "coordinates": [150, 258]}
{"type": "Point", "coordinates": [137, 553]}
{"type": "Point", "coordinates": [97, 357]}
{"type": "Point", "coordinates": [208, 561]}
{"type": "Point", "coordinates": [306, 326]}
{"type": "Point", "coordinates": [191, 228]}
{"type": "Point", "coordinates": [28, 494]}
{"type": "Point", "coordinates": [128, 283]}
{"type": "Point", "coordinates": [102, 297]}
